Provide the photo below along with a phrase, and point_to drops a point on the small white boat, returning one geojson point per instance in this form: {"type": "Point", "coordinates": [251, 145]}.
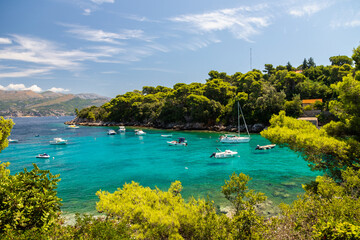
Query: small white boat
{"type": "Point", "coordinates": [44, 155]}
{"type": "Point", "coordinates": [111, 132]}
{"type": "Point", "coordinates": [122, 129]}
{"type": "Point", "coordinates": [265, 147]}
{"type": "Point", "coordinates": [225, 154]}
{"type": "Point", "coordinates": [58, 141]}
{"type": "Point", "coordinates": [166, 136]}
{"type": "Point", "coordinates": [180, 142]}
{"type": "Point", "coordinates": [13, 140]}
{"type": "Point", "coordinates": [72, 126]}
{"type": "Point", "coordinates": [139, 132]}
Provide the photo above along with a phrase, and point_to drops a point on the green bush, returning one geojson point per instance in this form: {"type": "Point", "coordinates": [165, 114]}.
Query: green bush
{"type": "Point", "coordinates": [28, 199]}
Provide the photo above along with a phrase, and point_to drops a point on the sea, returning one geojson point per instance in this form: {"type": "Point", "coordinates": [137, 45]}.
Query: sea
{"type": "Point", "coordinates": [93, 160]}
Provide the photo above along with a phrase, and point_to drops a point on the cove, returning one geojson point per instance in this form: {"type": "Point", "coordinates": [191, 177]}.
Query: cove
{"type": "Point", "coordinates": [93, 160]}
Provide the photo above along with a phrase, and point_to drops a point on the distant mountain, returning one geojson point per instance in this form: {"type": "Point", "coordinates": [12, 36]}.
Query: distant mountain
{"type": "Point", "coordinates": [29, 103]}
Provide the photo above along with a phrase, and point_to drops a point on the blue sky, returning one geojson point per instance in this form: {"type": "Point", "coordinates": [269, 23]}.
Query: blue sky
{"type": "Point", "coordinates": [110, 47]}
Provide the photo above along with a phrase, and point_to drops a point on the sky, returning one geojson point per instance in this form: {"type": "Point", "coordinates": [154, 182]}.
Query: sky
{"type": "Point", "coordinates": [110, 47]}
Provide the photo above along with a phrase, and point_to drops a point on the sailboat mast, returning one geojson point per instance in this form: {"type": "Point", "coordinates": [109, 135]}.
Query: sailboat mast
{"type": "Point", "coordinates": [238, 106]}
{"type": "Point", "coordinates": [244, 121]}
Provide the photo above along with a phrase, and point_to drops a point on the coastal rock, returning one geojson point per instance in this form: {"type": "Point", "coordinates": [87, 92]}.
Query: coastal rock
{"type": "Point", "coordinates": [258, 127]}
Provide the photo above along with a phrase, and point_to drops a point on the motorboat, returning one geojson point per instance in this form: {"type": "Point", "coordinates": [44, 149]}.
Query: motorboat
{"type": "Point", "coordinates": [58, 141]}
{"type": "Point", "coordinates": [111, 132]}
{"type": "Point", "coordinates": [180, 142]}
{"type": "Point", "coordinates": [225, 154]}
{"type": "Point", "coordinates": [139, 132]}
{"type": "Point", "coordinates": [122, 129]}
{"type": "Point", "coordinates": [166, 135]}
{"type": "Point", "coordinates": [44, 155]}
{"type": "Point", "coordinates": [265, 147]}
{"type": "Point", "coordinates": [13, 140]}
{"type": "Point", "coordinates": [72, 126]}
{"type": "Point", "coordinates": [237, 138]}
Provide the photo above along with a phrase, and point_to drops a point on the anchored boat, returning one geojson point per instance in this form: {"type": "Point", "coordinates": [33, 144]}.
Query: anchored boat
{"type": "Point", "coordinates": [236, 138]}
{"type": "Point", "coordinates": [225, 154]}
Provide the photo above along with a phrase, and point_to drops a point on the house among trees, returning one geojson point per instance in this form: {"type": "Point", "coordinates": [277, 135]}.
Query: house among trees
{"type": "Point", "coordinates": [306, 102]}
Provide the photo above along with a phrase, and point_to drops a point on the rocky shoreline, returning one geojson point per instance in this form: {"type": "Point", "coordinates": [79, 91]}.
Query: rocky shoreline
{"type": "Point", "coordinates": [255, 128]}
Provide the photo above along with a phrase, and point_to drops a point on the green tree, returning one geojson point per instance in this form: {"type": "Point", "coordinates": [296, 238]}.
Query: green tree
{"type": "Point", "coordinates": [340, 60]}
{"type": "Point", "coordinates": [269, 69]}
{"type": "Point", "coordinates": [305, 64]}
{"type": "Point", "coordinates": [28, 199]}
{"type": "Point", "coordinates": [5, 129]}
{"type": "Point", "coordinates": [356, 57]}
{"type": "Point", "coordinates": [154, 214]}
{"type": "Point", "coordinates": [247, 223]}
{"type": "Point", "coordinates": [323, 152]}
{"type": "Point", "coordinates": [289, 67]}
{"type": "Point", "coordinates": [311, 62]}
{"type": "Point", "coordinates": [328, 210]}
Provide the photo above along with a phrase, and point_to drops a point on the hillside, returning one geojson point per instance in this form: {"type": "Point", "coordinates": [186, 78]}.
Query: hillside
{"type": "Point", "coordinates": [29, 103]}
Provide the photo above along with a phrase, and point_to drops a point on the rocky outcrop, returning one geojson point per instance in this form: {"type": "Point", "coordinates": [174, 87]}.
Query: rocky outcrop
{"type": "Point", "coordinates": [256, 128]}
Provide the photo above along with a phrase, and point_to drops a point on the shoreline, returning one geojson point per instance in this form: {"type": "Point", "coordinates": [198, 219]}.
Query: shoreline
{"type": "Point", "coordinates": [255, 128]}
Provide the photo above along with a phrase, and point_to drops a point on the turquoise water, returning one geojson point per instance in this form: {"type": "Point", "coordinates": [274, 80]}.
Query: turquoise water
{"type": "Point", "coordinates": [93, 160]}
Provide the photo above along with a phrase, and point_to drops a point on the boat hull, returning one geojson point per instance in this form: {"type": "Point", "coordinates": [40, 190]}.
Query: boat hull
{"type": "Point", "coordinates": [175, 143]}
{"type": "Point", "coordinates": [226, 154]}
{"type": "Point", "coordinates": [235, 139]}
{"type": "Point", "coordinates": [57, 143]}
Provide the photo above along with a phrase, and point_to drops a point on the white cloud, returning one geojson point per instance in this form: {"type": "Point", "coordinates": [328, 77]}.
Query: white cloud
{"type": "Point", "coordinates": [348, 19]}
{"type": "Point", "coordinates": [308, 9]}
{"type": "Point", "coordinates": [24, 73]}
{"type": "Point", "coordinates": [155, 70]}
{"type": "Point", "coordinates": [102, 1]}
{"type": "Point", "coordinates": [98, 35]}
{"type": "Point", "coordinates": [46, 53]}
{"type": "Point", "coordinates": [55, 89]}
{"type": "Point", "coordinates": [243, 22]}
{"type": "Point", "coordinates": [87, 11]}
{"type": "Point", "coordinates": [20, 87]}
{"type": "Point", "coordinates": [5, 41]}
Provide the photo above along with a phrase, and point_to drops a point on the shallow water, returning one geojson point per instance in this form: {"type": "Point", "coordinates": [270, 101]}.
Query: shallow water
{"type": "Point", "coordinates": [93, 160]}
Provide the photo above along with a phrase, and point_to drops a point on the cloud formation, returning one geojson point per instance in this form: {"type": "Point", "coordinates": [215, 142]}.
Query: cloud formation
{"type": "Point", "coordinates": [242, 22]}
{"type": "Point", "coordinates": [55, 89]}
{"type": "Point", "coordinates": [5, 41]}
{"type": "Point", "coordinates": [20, 87]}
{"type": "Point", "coordinates": [308, 9]}
{"type": "Point", "coordinates": [24, 73]}
{"type": "Point", "coordinates": [46, 53]}
{"type": "Point", "coordinates": [87, 11]}
{"type": "Point", "coordinates": [102, 1]}
{"type": "Point", "coordinates": [98, 35]}
{"type": "Point", "coordinates": [34, 88]}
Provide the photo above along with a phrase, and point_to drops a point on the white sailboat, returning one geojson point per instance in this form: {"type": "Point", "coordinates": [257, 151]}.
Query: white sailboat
{"type": "Point", "coordinates": [236, 138]}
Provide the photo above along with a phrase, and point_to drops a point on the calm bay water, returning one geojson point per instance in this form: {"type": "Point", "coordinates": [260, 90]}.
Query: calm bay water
{"type": "Point", "coordinates": [93, 160]}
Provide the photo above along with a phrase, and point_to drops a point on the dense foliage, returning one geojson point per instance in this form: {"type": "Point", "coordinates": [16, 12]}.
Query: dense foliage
{"type": "Point", "coordinates": [5, 129]}
{"type": "Point", "coordinates": [334, 147]}
{"type": "Point", "coordinates": [213, 102]}
{"type": "Point", "coordinates": [28, 199]}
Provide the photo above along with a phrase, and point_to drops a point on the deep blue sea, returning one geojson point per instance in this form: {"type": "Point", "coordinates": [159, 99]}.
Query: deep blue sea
{"type": "Point", "coordinates": [93, 160]}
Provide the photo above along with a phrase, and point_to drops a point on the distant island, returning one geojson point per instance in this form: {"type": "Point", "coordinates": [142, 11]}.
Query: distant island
{"type": "Point", "coordinates": [29, 103]}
